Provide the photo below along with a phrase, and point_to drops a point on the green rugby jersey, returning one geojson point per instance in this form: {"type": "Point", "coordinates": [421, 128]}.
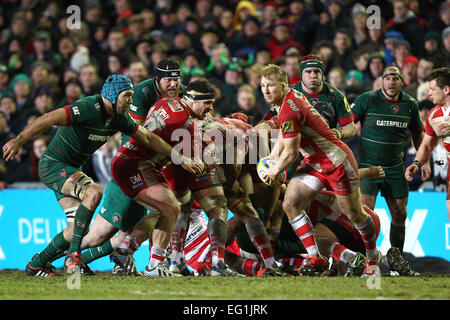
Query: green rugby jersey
{"type": "Point", "coordinates": [385, 126]}
{"type": "Point", "coordinates": [332, 96]}
{"type": "Point", "coordinates": [89, 127]}
{"type": "Point", "coordinates": [146, 94]}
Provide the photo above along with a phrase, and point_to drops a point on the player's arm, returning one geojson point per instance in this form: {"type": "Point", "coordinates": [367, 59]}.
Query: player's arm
{"type": "Point", "coordinates": [154, 142]}
{"type": "Point", "coordinates": [348, 130]}
{"type": "Point", "coordinates": [277, 148]}
{"type": "Point", "coordinates": [423, 155]}
{"type": "Point", "coordinates": [287, 158]}
{"type": "Point", "coordinates": [57, 117]}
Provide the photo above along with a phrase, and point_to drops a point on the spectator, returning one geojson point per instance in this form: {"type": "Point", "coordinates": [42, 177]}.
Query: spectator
{"type": "Point", "coordinates": [234, 78]}
{"type": "Point", "coordinates": [143, 51]}
{"type": "Point", "coordinates": [254, 79]}
{"type": "Point", "coordinates": [390, 40]}
{"type": "Point", "coordinates": [220, 56]}
{"type": "Point", "coordinates": [306, 23]}
{"type": "Point", "coordinates": [269, 15]}
{"type": "Point", "coordinates": [292, 67]}
{"type": "Point", "coordinates": [375, 40]}
{"type": "Point", "coordinates": [149, 19]}
{"type": "Point", "coordinates": [226, 29]}
{"type": "Point", "coordinates": [281, 39]}
{"type": "Point", "coordinates": [4, 81]}
{"type": "Point", "coordinates": [405, 21]}
{"type": "Point", "coordinates": [402, 49]}
{"type": "Point", "coordinates": [208, 40]}
{"type": "Point", "coordinates": [39, 145]}
{"type": "Point", "coordinates": [101, 159]}
{"type": "Point", "coordinates": [246, 103]}
{"type": "Point", "coordinates": [409, 69]}
{"type": "Point", "coordinates": [342, 56]}
{"type": "Point", "coordinates": [336, 77]}
{"type": "Point", "coordinates": [137, 72]}
{"type": "Point", "coordinates": [249, 37]}
{"type": "Point", "coordinates": [137, 30]}
{"type": "Point", "coordinates": [354, 78]}
{"type": "Point", "coordinates": [360, 61]}
{"type": "Point", "coordinates": [90, 80]}
{"type": "Point", "coordinates": [432, 44]}
{"type": "Point", "coordinates": [190, 66]}
{"type": "Point", "coordinates": [445, 50]}
{"type": "Point", "coordinates": [66, 49]}
{"type": "Point", "coordinates": [5, 136]}
{"type": "Point", "coordinates": [325, 49]}
{"type": "Point", "coordinates": [21, 86]}
{"type": "Point", "coordinates": [72, 92]}
{"type": "Point", "coordinates": [424, 68]}
{"type": "Point", "coordinates": [243, 10]}
{"type": "Point", "coordinates": [376, 64]}
{"type": "Point", "coordinates": [331, 20]}
{"type": "Point", "coordinates": [117, 63]}
{"type": "Point", "coordinates": [359, 26]}
{"type": "Point", "coordinates": [263, 57]}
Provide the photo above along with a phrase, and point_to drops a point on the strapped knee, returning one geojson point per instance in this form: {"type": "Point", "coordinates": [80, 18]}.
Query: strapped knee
{"type": "Point", "coordinates": [78, 189]}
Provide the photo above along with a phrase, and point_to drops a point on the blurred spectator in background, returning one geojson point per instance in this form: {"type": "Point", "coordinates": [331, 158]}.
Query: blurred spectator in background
{"type": "Point", "coordinates": [90, 80]}
{"type": "Point", "coordinates": [243, 10]}
{"type": "Point", "coordinates": [342, 56]}
{"type": "Point", "coordinates": [137, 72]}
{"type": "Point", "coordinates": [21, 85]}
{"type": "Point", "coordinates": [234, 78]}
{"type": "Point", "coordinates": [281, 39]}
{"type": "Point", "coordinates": [375, 67]}
{"type": "Point", "coordinates": [101, 159]}
{"type": "Point", "coordinates": [336, 77]}
{"type": "Point", "coordinates": [406, 22]}
{"type": "Point", "coordinates": [5, 136]}
{"type": "Point", "coordinates": [409, 69]}
{"type": "Point", "coordinates": [246, 103]}
{"type": "Point", "coordinates": [305, 22]}
{"type": "Point", "coordinates": [402, 49]}
{"type": "Point", "coordinates": [72, 92]}
{"type": "Point", "coordinates": [220, 57]}
{"type": "Point", "coordinates": [39, 145]}
{"type": "Point", "coordinates": [291, 65]}
{"type": "Point", "coordinates": [332, 19]}
{"type": "Point", "coordinates": [359, 29]}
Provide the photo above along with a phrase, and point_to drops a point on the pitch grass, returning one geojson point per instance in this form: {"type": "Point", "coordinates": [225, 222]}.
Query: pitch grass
{"type": "Point", "coordinates": [15, 285]}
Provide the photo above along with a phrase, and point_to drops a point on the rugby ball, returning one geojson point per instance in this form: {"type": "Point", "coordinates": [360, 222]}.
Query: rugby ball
{"type": "Point", "coordinates": [264, 164]}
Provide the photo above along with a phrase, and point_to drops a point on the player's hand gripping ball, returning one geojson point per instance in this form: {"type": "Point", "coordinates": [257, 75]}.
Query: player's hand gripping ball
{"type": "Point", "coordinates": [263, 165]}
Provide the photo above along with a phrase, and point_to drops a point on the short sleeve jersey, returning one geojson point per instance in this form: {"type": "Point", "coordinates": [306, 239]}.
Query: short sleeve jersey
{"type": "Point", "coordinates": [166, 116]}
{"type": "Point", "coordinates": [88, 128]}
{"type": "Point", "coordinates": [331, 96]}
{"type": "Point", "coordinates": [436, 116]}
{"type": "Point", "coordinates": [385, 126]}
{"type": "Point", "coordinates": [318, 145]}
{"type": "Point", "coordinates": [145, 95]}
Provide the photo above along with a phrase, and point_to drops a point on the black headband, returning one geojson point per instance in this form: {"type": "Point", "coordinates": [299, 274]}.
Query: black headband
{"type": "Point", "coordinates": [161, 73]}
{"type": "Point", "coordinates": [392, 74]}
{"type": "Point", "coordinates": [201, 96]}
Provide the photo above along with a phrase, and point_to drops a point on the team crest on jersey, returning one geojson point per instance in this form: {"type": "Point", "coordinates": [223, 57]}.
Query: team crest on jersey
{"type": "Point", "coordinates": [395, 108]}
{"type": "Point", "coordinates": [62, 173]}
{"type": "Point", "coordinates": [287, 127]}
{"type": "Point", "coordinates": [116, 217]}
{"type": "Point", "coordinates": [314, 101]}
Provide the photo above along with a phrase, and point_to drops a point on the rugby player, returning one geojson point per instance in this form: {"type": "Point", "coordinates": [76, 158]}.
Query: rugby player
{"type": "Point", "coordinates": [388, 116]}
{"type": "Point", "coordinates": [437, 127]}
{"type": "Point", "coordinates": [329, 163]}
{"type": "Point", "coordinates": [85, 125]}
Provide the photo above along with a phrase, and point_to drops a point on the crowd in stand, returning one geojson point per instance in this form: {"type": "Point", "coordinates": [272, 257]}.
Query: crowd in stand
{"type": "Point", "coordinates": [51, 56]}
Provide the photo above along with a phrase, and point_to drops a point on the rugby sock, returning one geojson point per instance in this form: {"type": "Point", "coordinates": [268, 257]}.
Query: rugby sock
{"type": "Point", "coordinates": [339, 252]}
{"type": "Point", "coordinates": [305, 232]}
{"type": "Point", "coordinates": [369, 237]}
{"type": "Point", "coordinates": [274, 233]}
{"type": "Point", "coordinates": [157, 255]}
{"type": "Point", "coordinates": [178, 237]}
{"type": "Point", "coordinates": [260, 240]}
{"type": "Point", "coordinates": [57, 246]}
{"type": "Point", "coordinates": [83, 217]}
{"type": "Point", "coordinates": [397, 237]}
{"type": "Point", "coordinates": [217, 237]}
{"type": "Point", "coordinates": [92, 254]}
{"type": "Point", "coordinates": [250, 267]}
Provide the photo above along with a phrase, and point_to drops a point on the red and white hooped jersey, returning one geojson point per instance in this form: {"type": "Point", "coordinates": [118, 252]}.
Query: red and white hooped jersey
{"type": "Point", "coordinates": [436, 116]}
{"type": "Point", "coordinates": [319, 146]}
{"type": "Point", "coordinates": [163, 119]}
